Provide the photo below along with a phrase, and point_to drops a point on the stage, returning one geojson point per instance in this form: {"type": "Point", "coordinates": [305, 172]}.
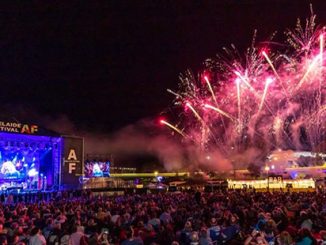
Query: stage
{"type": "Point", "coordinates": [33, 159]}
{"type": "Point", "coordinates": [29, 162]}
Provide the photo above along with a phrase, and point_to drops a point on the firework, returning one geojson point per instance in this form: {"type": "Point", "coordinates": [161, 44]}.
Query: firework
{"type": "Point", "coordinates": [219, 111]}
{"type": "Point", "coordinates": [277, 101]}
{"type": "Point", "coordinates": [172, 127]}
{"type": "Point", "coordinates": [210, 89]}
{"type": "Point", "coordinates": [267, 83]}
{"type": "Point", "coordinates": [321, 48]}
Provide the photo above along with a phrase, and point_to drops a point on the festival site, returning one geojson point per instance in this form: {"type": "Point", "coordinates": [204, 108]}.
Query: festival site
{"type": "Point", "coordinates": [238, 156]}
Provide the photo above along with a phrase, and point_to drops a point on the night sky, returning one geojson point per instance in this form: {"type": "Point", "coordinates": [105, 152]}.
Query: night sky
{"type": "Point", "coordinates": [107, 64]}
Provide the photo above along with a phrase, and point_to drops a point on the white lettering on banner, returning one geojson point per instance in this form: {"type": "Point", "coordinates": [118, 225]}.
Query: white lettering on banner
{"type": "Point", "coordinates": [18, 128]}
{"type": "Point", "coordinates": [72, 166]}
{"type": "Point", "coordinates": [72, 161]}
{"type": "Point", "coordinates": [72, 155]}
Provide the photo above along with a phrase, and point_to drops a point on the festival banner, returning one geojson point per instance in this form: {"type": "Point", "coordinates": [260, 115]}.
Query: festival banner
{"type": "Point", "coordinates": [24, 128]}
{"type": "Point", "coordinates": [73, 162]}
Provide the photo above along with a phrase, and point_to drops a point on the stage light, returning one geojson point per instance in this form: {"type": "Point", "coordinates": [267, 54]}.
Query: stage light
{"type": "Point", "coordinates": [32, 172]}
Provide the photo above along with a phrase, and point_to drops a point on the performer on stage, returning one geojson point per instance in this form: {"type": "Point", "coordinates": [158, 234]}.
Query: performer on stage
{"type": "Point", "coordinates": [97, 172]}
{"type": "Point", "coordinates": [9, 170]}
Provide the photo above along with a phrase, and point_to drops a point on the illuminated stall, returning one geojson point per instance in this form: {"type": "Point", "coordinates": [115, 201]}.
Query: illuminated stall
{"type": "Point", "coordinates": [272, 183]}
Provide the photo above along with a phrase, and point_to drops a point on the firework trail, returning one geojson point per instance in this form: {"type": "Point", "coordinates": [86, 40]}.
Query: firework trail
{"type": "Point", "coordinates": [172, 127]}
{"type": "Point", "coordinates": [266, 100]}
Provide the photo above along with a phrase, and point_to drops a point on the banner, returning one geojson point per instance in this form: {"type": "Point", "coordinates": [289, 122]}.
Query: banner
{"type": "Point", "coordinates": [24, 128]}
{"type": "Point", "coordinates": [15, 127]}
{"type": "Point", "coordinates": [73, 162]}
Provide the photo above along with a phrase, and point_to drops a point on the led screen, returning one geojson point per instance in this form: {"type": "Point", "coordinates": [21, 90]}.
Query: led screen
{"type": "Point", "coordinates": [19, 164]}
{"type": "Point", "coordinates": [94, 169]}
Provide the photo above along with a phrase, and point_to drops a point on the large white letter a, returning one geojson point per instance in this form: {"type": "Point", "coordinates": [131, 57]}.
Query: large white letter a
{"type": "Point", "coordinates": [72, 155]}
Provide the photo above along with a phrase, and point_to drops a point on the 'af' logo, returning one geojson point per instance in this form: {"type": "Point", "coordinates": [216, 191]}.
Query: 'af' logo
{"type": "Point", "coordinates": [72, 157]}
{"type": "Point", "coordinates": [29, 129]}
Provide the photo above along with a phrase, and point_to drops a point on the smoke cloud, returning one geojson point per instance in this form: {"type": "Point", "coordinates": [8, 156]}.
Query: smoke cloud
{"type": "Point", "coordinates": [142, 138]}
{"type": "Point", "coordinates": [145, 138]}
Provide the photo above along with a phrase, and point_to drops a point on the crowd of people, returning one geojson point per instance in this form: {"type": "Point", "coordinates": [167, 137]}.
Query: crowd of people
{"type": "Point", "coordinates": [192, 217]}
